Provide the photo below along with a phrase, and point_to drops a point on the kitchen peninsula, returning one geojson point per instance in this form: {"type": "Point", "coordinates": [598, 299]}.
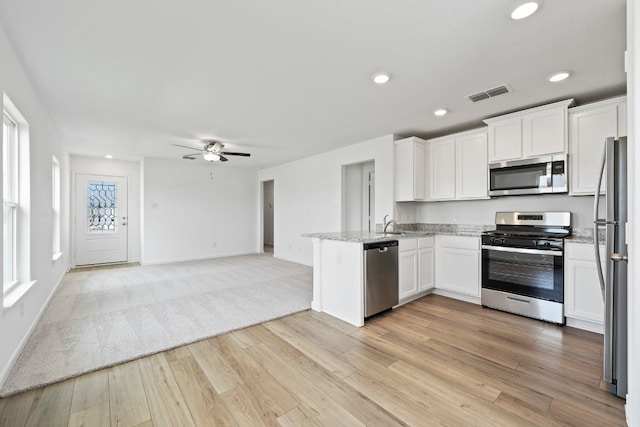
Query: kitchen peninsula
{"type": "Point", "coordinates": [338, 260]}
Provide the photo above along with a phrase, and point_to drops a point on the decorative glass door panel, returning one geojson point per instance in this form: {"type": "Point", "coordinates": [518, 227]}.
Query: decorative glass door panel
{"type": "Point", "coordinates": [102, 206]}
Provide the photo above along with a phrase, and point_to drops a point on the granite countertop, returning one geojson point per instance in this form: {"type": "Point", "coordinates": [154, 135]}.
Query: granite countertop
{"type": "Point", "coordinates": [585, 235]}
{"type": "Point", "coordinates": [408, 231]}
{"type": "Point", "coordinates": [366, 236]}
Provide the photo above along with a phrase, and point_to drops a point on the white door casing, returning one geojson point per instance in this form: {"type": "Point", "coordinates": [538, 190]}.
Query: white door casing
{"type": "Point", "coordinates": [100, 219]}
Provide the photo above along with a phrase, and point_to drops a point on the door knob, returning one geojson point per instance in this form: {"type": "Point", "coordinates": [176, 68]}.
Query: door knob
{"type": "Point", "coordinates": [619, 257]}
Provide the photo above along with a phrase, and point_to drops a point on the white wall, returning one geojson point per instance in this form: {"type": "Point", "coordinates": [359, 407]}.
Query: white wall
{"type": "Point", "coordinates": [483, 211]}
{"type": "Point", "coordinates": [195, 210]}
{"type": "Point", "coordinates": [17, 322]}
{"type": "Point", "coordinates": [633, 86]}
{"type": "Point", "coordinates": [113, 167]}
{"type": "Point", "coordinates": [308, 195]}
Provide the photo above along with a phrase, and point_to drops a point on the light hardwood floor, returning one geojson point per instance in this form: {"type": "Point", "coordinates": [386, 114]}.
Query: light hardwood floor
{"type": "Point", "coordinates": [435, 361]}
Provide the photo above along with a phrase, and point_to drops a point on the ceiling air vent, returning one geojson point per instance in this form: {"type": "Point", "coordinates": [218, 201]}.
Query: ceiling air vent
{"type": "Point", "coordinates": [489, 93]}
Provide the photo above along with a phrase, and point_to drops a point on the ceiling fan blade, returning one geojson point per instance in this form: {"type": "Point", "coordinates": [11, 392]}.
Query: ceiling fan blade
{"type": "Point", "coordinates": [190, 156]}
{"type": "Point", "coordinates": [223, 158]}
{"type": "Point", "coordinates": [186, 146]}
{"type": "Point", "coordinates": [231, 153]}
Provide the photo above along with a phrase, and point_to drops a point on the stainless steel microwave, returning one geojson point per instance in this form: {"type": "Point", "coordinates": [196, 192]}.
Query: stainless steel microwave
{"type": "Point", "coordinates": [529, 176]}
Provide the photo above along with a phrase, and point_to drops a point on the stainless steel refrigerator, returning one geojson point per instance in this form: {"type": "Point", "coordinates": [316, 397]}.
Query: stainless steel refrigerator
{"type": "Point", "coordinates": [614, 280]}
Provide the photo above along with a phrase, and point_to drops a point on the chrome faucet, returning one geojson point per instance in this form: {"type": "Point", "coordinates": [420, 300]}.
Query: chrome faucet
{"type": "Point", "coordinates": [387, 223]}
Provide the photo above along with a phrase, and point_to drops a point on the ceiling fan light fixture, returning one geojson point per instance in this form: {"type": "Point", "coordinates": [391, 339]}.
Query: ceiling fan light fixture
{"type": "Point", "coordinates": [524, 10]}
{"type": "Point", "coordinates": [211, 157]}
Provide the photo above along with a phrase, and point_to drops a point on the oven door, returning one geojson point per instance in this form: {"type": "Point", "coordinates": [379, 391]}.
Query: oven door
{"type": "Point", "coordinates": [529, 272]}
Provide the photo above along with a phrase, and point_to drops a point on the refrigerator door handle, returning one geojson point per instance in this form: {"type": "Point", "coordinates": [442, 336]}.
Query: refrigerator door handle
{"type": "Point", "coordinates": [599, 222]}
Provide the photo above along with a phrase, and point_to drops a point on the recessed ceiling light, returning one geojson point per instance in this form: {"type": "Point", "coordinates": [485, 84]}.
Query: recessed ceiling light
{"type": "Point", "coordinates": [381, 78]}
{"type": "Point", "coordinates": [440, 112]}
{"type": "Point", "coordinates": [558, 77]}
{"type": "Point", "coordinates": [524, 10]}
{"type": "Point", "coordinates": [108, 156]}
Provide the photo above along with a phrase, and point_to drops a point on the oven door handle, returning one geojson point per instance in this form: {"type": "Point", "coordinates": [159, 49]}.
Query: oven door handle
{"type": "Point", "coordinates": [522, 250]}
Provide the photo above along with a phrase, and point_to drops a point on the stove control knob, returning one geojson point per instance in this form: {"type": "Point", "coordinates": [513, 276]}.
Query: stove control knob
{"type": "Point", "coordinates": [497, 241]}
{"type": "Point", "coordinates": [544, 244]}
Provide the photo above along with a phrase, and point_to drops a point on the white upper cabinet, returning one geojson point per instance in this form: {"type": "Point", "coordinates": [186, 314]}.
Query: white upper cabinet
{"type": "Point", "coordinates": [505, 139]}
{"type": "Point", "coordinates": [471, 166]}
{"type": "Point", "coordinates": [545, 132]}
{"type": "Point", "coordinates": [441, 163]}
{"type": "Point", "coordinates": [457, 166]}
{"type": "Point", "coordinates": [529, 133]}
{"type": "Point", "coordinates": [410, 169]}
{"type": "Point", "coordinates": [589, 125]}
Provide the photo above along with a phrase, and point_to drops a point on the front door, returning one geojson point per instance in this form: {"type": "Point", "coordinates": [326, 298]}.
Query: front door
{"type": "Point", "coordinates": [100, 219]}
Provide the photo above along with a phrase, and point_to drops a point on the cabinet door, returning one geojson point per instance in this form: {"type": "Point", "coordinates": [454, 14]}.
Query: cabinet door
{"type": "Point", "coordinates": [471, 167]}
{"type": "Point", "coordinates": [418, 171]}
{"type": "Point", "coordinates": [425, 269]}
{"type": "Point", "coordinates": [505, 139]}
{"type": "Point", "coordinates": [582, 294]}
{"type": "Point", "coordinates": [442, 158]}
{"type": "Point", "coordinates": [407, 274]}
{"type": "Point", "coordinates": [544, 132]}
{"type": "Point", "coordinates": [459, 271]}
{"type": "Point", "coordinates": [587, 132]}
{"type": "Point", "coordinates": [409, 170]}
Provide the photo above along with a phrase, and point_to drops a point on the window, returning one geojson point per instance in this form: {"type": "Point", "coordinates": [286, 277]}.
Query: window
{"type": "Point", "coordinates": [55, 208]}
{"type": "Point", "coordinates": [10, 198]}
{"type": "Point", "coordinates": [16, 188]}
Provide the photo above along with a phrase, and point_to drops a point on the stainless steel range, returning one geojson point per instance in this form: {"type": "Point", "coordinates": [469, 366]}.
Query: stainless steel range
{"type": "Point", "coordinates": [523, 266]}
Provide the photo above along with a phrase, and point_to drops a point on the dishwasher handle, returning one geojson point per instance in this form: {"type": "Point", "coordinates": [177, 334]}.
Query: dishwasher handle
{"type": "Point", "coordinates": [382, 246]}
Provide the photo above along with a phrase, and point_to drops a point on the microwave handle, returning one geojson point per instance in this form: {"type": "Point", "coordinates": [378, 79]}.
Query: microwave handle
{"type": "Point", "coordinates": [549, 173]}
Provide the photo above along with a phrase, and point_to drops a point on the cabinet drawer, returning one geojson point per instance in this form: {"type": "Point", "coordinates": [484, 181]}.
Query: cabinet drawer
{"type": "Point", "coordinates": [407, 244]}
{"type": "Point", "coordinates": [580, 251]}
{"type": "Point", "coordinates": [425, 242]}
{"type": "Point", "coordinates": [459, 242]}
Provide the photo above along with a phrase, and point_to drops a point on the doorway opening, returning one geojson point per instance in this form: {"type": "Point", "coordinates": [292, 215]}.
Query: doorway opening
{"type": "Point", "coordinates": [267, 215]}
{"type": "Point", "coordinates": [358, 197]}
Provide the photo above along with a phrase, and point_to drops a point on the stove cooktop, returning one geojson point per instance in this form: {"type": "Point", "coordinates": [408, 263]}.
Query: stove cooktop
{"type": "Point", "coordinates": [561, 233]}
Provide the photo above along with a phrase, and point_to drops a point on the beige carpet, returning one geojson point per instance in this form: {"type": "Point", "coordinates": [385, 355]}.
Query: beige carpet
{"type": "Point", "coordinates": [101, 318]}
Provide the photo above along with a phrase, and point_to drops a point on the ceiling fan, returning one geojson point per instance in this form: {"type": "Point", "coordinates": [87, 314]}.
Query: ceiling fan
{"type": "Point", "coordinates": [211, 151]}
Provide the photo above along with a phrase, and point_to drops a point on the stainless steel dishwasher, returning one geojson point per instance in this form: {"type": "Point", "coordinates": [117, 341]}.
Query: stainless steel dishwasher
{"type": "Point", "coordinates": [380, 276]}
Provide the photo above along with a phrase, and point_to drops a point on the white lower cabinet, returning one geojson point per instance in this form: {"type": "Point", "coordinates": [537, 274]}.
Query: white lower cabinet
{"type": "Point", "coordinates": [415, 267]}
{"type": "Point", "coordinates": [458, 264]}
{"type": "Point", "coordinates": [426, 260]}
{"type": "Point", "coordinates": [583, 302]}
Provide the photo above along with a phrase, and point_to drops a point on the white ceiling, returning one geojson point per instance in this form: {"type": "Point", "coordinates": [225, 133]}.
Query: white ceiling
{"type": "Point", "coordinates": [286, 79]}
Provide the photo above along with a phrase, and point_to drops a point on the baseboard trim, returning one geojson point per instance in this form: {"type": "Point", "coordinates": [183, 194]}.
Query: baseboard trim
{"type": "Point", "coordinates": [16, 354]}
{"type": "Point", "coordinates": [185, 259]}
{"type": "Point", "coordinates": [586, 325]}
{"type": "Point", "coordinates": [291, 260]}
{"type": "Point", "coordinates": [455, 295]}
